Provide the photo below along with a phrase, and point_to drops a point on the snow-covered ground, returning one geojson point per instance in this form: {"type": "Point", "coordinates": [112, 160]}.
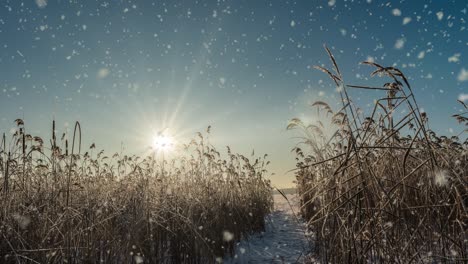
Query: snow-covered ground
{"type": "Point", "coordinates": [284, 240]}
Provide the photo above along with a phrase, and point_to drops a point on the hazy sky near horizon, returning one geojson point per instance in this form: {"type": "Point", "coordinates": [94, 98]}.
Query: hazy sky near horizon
{"type": "Point", "coordinates": [127, 69]}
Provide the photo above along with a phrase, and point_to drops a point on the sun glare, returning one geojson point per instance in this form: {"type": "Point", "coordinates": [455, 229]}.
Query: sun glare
{"type": "Point", "coordinates": [163, 142]}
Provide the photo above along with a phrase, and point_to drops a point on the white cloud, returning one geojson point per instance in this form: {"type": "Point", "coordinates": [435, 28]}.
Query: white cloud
{"type": "Point", "coordinates": [440, 15]}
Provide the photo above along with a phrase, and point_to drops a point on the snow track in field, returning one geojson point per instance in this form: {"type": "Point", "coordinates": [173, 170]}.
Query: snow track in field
{"type": "Point", "coordinates": [284, 240]}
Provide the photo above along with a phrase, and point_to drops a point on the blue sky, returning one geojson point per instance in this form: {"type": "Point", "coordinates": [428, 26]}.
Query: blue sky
{"type": "Point", "coordinates": [126, 69]}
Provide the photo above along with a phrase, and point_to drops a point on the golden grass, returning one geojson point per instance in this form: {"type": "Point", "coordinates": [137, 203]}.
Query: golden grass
{"type": "Point", "coordinates": [90, 208]}
{"type": "Point", "coordinates": [372, 195]}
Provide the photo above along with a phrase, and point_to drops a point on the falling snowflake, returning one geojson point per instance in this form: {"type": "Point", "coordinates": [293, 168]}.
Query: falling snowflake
{"type": "Point", "coordinates": [463, 75]}
{"type": "Point", "coordinates": [406, 20]}
{"type": "Point", "coordinates": [139, 259]}
{"type": "Point", "coordinates": [41, 3]}
{"type": "Point", "coordinates": [400, 43]}
{"type": "Point", "coordinates": [396, 12]}
{"type": "Point", "coordinates": [22, 220]}
{"type": "Point", "coordinates": [454, 58]}
{"type": "Point", "coordinates": [441, 177]}
{"type": "Point", "coordinates": [421, 55]}
{"type": "Point", "coordinates": [463, 97]}
{"type": "Point", "coordinates": [228, 236]}
{"type": "Point", "coordinates": [103, 73]}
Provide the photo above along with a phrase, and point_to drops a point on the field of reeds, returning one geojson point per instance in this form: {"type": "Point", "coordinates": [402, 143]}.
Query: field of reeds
{"type": "Point", "coordinates": [382, 187]}
{"type": "Point", "coordinates": [62, 203]}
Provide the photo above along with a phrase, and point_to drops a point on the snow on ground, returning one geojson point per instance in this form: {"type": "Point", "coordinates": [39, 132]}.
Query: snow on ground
{"type": "Point", "coordinates": [284, 240]}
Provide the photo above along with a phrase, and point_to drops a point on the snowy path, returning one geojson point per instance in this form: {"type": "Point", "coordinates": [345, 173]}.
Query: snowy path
{"type": "Point", "coordinates": [283, 242]}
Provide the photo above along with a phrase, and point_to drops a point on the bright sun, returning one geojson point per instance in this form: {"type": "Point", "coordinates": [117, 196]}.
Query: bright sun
{"type": "Point", "coordinates": [163, 142]}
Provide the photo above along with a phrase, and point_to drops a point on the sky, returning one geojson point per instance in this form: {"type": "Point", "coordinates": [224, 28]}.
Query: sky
{"type": "Point", "coordinates": [128, 69]}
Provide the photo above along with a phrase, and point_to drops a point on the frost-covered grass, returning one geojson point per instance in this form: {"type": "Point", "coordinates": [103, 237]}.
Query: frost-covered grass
{"type": "Point", "coordinates": [371, 194]}
{"type": "Point", "coordinates": [125, 209]}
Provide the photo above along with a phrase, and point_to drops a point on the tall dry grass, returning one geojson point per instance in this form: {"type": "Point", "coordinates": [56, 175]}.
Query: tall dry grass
{"type": "Point", "coordinates": [383, 188]}
{"type": "Point", "coordinates": [60, 206]}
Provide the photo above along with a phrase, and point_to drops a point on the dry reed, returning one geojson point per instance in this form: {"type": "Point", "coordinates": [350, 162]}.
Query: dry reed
{"type": "Point", "coordinates": [369, 193]}
{"type": "Point", "coordinates": [58, 205]}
